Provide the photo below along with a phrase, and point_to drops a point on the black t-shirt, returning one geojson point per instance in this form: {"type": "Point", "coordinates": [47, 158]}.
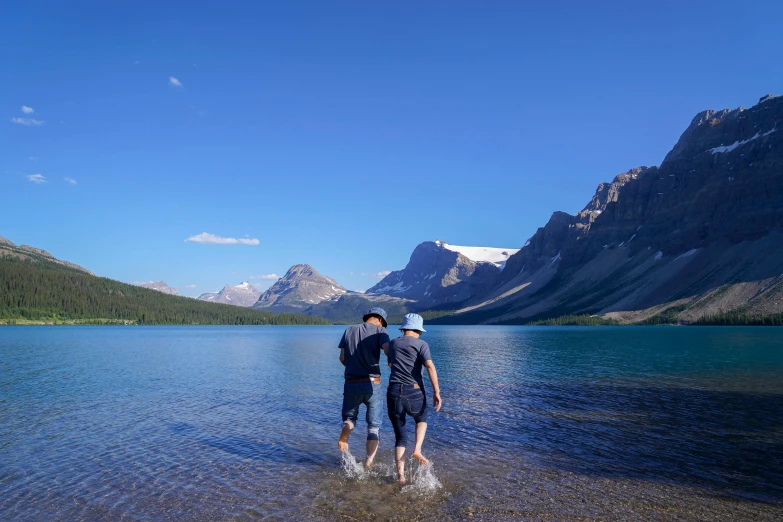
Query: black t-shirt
{"type": "Point", "coordinates": [362, 344]}
{"type": "Point", "coordinates": [407, 356]}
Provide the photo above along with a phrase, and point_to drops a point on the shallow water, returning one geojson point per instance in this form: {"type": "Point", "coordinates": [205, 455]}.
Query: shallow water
{"type": "Point", "coordinates": [231, 423]}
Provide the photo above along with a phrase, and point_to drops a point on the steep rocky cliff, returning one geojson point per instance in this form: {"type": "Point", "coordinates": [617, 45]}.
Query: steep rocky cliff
{"type": "Point", "coordinates": [703, 232]}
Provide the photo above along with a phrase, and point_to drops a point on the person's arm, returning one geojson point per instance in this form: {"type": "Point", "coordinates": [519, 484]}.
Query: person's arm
{"type": "Point", "coordinates": [434, 380]}
{"type": "Point", "coordinates": [342, 346]}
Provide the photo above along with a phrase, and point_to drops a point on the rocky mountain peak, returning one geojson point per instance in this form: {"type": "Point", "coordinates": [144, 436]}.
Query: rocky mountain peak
{"type": "Point", "coordinates": [301, 286]}
{"type": "Point", "coordinates": [768, 97]}
{"type": "Point", "coordinates": [302, 270]}
{"type": "Point", "coordinates": [439, 272]}
{"type": "Point", "coordinates": [243, 294]}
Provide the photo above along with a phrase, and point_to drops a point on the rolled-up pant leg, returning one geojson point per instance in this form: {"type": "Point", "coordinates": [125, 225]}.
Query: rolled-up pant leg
{"type": "Point", "coordinates": [374, 413]}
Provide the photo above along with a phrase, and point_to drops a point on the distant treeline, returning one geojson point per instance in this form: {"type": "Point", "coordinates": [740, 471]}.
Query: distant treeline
{"type": "Point", "coordinates": [668, 316]}
{"type": "Point", "coordinates": [48, 291]}
{"type": "Point", "coordinates": [575, 320]}
{"type": "Point", "coordinates": [740, 319]}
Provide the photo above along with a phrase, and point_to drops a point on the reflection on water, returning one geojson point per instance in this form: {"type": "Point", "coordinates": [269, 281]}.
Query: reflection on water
{"type": "Point", "coordinates": [208, 423]}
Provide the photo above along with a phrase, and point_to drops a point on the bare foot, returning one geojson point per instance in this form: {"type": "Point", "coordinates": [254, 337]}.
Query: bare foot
{"type": "Point", "coordinates": [368, 464]}
{"type": "Point", "coordinates": [401, 481]}
{"type": "Point", "coordinates": [343, 442]}
{"type": "Point", "coordinates": [418, 456]}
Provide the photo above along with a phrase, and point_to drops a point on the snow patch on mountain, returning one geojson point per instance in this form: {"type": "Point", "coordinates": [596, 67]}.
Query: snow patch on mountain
{"type": "Point", "coordinates": [496, 256]}
{"type": "Point", "coordinates": [729, 148]}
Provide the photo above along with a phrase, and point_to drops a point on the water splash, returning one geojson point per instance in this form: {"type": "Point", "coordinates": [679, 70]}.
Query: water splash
{"type": "Point", "coordinates": [354, 469]}
{"type": "Point", "coordinates": [351, 467]}
{"type": "Point", "coordinates": [424, 481]}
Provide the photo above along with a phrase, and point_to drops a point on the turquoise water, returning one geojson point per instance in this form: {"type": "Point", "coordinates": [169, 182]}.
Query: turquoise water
{"type": "Point", "coordinates": [240, 423]}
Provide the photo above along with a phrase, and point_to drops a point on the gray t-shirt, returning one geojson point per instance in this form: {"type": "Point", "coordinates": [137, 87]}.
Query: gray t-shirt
{"type": "Point", "coordinates": [407, 355]}
{"type": "Point", "coordinates": [362, 344]}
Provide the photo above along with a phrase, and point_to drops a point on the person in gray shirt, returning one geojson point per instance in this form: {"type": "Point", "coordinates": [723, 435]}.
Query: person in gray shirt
{"type": "Point", "coordinates": [360, 352]}
{"type": "Point", "coordinates": [405, 396]}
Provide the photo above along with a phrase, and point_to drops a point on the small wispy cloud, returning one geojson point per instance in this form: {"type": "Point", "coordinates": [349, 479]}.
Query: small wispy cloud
{"type": "Point", "coordinates": [27, 110]}
{"type": "Point", "coordinates": [270, 277]}
{"type": "Point", "coordinates": [212, 239]}
{"type": "Point", "coordinates": [33, 158]}
{"type": "Point", "coordinates": [378, 275]}
{"type": "Point", "coordinates": [36, 178]}
{"type": "Point", "coordinates": [27, 121]}
{"type": "Point", "coordinates": [70, 180]}
{"type": "Point", "coordinates": [189, 286]}
{"type": "Point", "coordinates": [174, 82]}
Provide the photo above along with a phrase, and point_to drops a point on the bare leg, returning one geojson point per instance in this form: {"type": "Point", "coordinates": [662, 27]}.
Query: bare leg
{"type": "Point", "coordinates": [343, 442]}
{"type": "Point", "coordinates": [421, 430]}
{"type": "Point", "coordinates": [400, 455]}
{"type": "Point", "coordinates": [372, 449]}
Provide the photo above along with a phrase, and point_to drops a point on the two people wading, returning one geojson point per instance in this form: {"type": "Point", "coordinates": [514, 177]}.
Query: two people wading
{"type": "Point", "coordinates": [360, 350]}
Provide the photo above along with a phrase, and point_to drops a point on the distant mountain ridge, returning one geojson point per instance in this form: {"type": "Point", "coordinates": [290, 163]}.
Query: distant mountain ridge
{"type": "Point", "coordinates": [25, 252]}
{"type": "Point", "coordinates": [160, 286]}
{"type": "Point", "coordinates": [243, 294]}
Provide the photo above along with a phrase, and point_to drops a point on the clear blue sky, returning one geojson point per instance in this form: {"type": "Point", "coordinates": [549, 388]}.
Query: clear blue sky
{"type": "Point", "coordinates": [342, 134]}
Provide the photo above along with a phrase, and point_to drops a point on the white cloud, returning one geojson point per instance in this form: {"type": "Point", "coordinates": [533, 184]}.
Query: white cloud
{"type": "Point", "coordinates": [33, 158]}
{"type": "Point", "coordinates": [189, 286]}
{"type": "Point", "coordinates": [212, 239]}
{"type": "Point", "coordinates": [27, 110]}
{"type": "Point", "coordinates": [378, 275]}
{"type": "Point", "coordinates": [174, 82]}
{"type": "Point", "coordinates": [70, 180]}
{"type": "Point", "coordinates": [270, 277]}
{"type": "Point", "coordinates": [27, 121]}
{"type": "Point", "coordinates": [36, 178]}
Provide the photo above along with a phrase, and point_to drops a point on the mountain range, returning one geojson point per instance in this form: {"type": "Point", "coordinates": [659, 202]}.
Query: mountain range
{"type": "Point", "coordinates": [698, 238]}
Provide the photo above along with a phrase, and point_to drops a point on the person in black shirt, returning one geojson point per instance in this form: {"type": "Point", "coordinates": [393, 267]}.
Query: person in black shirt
{"type": "Point", "coordinates": [360, 351]}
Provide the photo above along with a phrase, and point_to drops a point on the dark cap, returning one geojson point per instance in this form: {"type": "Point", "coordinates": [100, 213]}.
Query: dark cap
{"type": "Point", "coordinates": [378, 312]}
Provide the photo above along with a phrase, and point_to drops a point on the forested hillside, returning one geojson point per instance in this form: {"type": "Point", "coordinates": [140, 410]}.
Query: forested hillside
{"type": "Point", "coordinates": [45, 291]}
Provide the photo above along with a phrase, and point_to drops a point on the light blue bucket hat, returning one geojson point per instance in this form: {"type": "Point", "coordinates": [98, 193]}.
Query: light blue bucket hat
{"type": "Point", "coordinates": [413, 322]}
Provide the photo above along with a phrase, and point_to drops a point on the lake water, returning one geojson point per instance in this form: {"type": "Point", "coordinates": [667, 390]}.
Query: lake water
{"type": "Point", "coordinates": [235, 423]}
